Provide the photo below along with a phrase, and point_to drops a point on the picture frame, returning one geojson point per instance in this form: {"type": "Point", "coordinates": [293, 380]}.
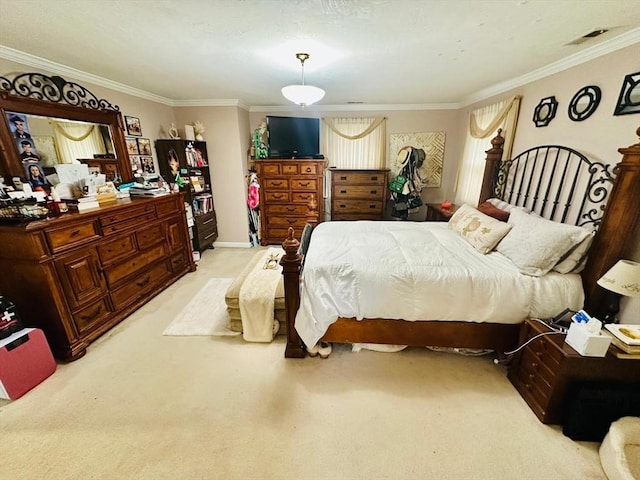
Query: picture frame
{"type": "Point", "coordinates": [136, 164]}
{"type": "Point", "coordinates": [132, 146]}
{"type": "Point", "coordinates": [584, 103]}
{"type": "Point", "coordinates": [133, 126]}
{"type": "Point", "coordinates": [18, 125]}
{"type": "Point", "coordinates": [147, 164]}
{"type": "Point", "coordinates": [35, 174]}
{"type": "Point", "coordinates": [629, 98]}
{"type": "Point", "coordinates": [144, 146]}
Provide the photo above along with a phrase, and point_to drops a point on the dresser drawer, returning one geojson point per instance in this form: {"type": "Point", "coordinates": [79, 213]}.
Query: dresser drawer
{"type": "Point", "coordinates": [113, 250]}
{"type": "Point", "coordinates": [269, 169]}
{"type": "Point", "coordinates": [166, 208]}
{"type": "Point", "coordinates": [91, 316]}
{"type": "Point", "coordinates": [310, 184]}
{"type": "Point", "coordinates": [357, 206]}
{"type": "Point", "coordinates": [206, 222]}
{"type": "Point", "coordinates": [128, 223]}
{"type": "Point", "coordinates": [309, 168]}
{"type": "Point", "coordinates": [290, 169]}
{"type": "Point", "coordinates": [129, 267]}
{"type": "Point", "coordinates": [276, 183]}
{"type": "Point", "coordinates": [368, 192]}
{"type": "Point", "coordinates": [338, 216]}
{"type": "Point", "coordinates": [306, 198]}
{"type": "Point", "coordinates": [287, 209]}
{"type": "Point", "coordinates": [140, 285]}
{"type": "Point", "coordinates": [288, 222]}
{"type": "Point", "coordinates": [275, 196]}
{"type": "Point", "coordinates": [68, 237]}
{"type": "Point", "coordinates": [150, 236]}
{"type": "Point", "coordinates": [128, 214]}
{"type": "Point", "coordinates": [546, 352]}
{"type": "Point", "coordinates": [369, 178]}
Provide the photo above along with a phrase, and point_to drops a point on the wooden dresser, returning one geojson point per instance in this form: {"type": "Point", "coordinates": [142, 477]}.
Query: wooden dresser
{"type": "Point", "coordinates": [78, 275]}
{"type": "Point", "coordinates": [286, 189]}
{"type": "Point", "coordinates": [358, 194]}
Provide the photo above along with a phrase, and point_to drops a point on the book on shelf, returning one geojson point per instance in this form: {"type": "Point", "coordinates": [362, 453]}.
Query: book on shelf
{"type": "Point", "coordinates": [626, 348]}
{"type": "Point", "coordinates": [626, 333]}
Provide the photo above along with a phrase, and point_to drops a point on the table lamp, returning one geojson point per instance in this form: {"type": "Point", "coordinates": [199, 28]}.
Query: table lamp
{"type": "Point", "coordinates": [621, 279]}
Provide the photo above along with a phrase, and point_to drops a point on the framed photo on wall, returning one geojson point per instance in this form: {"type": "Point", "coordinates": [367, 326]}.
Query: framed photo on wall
{"type": "Point", "coordinates": [132, 146]}
{"type": "Point", "coordinates": [144, 146]}
{"type": "Point", "coordinates": [133, 126]}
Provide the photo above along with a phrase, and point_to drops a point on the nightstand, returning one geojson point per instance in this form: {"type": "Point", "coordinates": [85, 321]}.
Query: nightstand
{"type": "Point", "coordinates": [546, 368]}
{"type": "Point", "coordinates": [435, 212]}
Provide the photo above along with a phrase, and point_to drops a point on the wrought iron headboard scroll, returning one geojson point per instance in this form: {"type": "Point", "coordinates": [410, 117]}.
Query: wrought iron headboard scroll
{"type": "Point", "coordinates": [54, 89]}
{"type": "Point", "coordinates": [558, 183]}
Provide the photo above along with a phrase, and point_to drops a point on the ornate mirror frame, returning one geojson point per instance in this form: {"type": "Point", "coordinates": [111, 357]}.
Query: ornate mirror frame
{"type": "Point", "coordinates": [38, 94]}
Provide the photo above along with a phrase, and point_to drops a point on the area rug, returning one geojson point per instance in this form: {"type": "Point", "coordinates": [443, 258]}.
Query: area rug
{"type": "Point", "coordinates": [206, 313]}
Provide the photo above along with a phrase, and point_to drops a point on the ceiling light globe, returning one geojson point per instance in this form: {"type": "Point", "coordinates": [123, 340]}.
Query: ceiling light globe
{"type": "Point", "coordinates": [302, 94]}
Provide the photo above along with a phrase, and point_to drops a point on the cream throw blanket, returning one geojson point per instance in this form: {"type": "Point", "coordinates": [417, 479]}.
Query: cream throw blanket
{"type": "Point", "coordinates": [257, 298]}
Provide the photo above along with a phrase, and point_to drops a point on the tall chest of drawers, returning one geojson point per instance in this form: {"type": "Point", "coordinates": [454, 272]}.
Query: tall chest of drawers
{"type": "Point", "coordinates": [78, 275]}
{"type": "Point", "coordinates": [287, 188]}
{"type": "Point", "coordinates": [358, 194]}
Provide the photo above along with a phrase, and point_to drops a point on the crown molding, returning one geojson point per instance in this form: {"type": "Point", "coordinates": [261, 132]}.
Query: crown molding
{"type": "Point", "coordinates": [212, 102]}
{"type": "Point", "coordinates": [617, 43]}
{"type": "Point", "coordinates": [57, 68]}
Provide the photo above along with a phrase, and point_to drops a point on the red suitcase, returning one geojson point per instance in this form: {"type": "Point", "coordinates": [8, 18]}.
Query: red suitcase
{"type": "Point", "coordinates": [25, 361]}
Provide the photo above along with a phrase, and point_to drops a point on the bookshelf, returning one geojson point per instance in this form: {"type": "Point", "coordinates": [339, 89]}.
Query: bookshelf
{"type": "Point", "coordinates": [186, 163]}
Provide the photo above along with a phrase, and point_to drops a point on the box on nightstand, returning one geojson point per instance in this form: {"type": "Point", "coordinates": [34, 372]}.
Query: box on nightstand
{"type": "Point", "coordinates": [587, 343]}
{"type": "Point", "coordinates": [25, 361]}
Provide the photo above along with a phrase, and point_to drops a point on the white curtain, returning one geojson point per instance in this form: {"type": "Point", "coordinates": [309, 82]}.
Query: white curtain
{"type": "Point", "coordinates": [77, 140]}
{"type": "Point", "coordinates": [484, 123]}
{"type": "Point", "coordinates": [357, 143]}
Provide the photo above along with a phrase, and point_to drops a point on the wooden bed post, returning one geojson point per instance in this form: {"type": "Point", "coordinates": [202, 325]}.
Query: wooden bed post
{"type": "Point", "coordinates": [291, 262]}
{"type": "Point", "coordinates": [494, 157]}
{"type": "Point", "coordinates": [619, 227]}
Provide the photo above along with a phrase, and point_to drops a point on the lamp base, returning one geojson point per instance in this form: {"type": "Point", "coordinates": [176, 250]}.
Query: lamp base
{"type": "Point", "coordinates": [612, 302]}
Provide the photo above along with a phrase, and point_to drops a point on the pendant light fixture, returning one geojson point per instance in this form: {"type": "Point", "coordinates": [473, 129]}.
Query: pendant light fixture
{"type": "Point", "coordinates": [302, 95]}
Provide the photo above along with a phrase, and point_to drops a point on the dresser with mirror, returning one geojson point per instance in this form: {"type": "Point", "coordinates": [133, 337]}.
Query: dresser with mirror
{"type": "Point", "coordinates": [76, 275]}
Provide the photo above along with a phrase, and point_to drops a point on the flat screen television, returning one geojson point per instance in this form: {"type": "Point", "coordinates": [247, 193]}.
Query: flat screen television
{"type": "Point", "coordinates": [293, 137]}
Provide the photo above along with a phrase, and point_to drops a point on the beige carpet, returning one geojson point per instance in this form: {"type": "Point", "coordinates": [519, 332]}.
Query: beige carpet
{"type": "Point", "coordinates": [206, 313]}
{"type": "Point", "coordinates": [141, 405]}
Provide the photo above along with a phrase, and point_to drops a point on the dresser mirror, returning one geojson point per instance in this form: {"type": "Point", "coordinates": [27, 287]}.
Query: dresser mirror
{"type": "Point", "coordinates": [52, 121]}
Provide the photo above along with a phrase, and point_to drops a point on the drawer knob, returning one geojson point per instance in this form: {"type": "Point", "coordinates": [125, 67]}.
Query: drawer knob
{"type": "Point", "coordinates": [144, 282]}
{"type": "Point", "coordinates": [291, 209]}
{"type": "Point", "coordinates": [343, 191]}
{"type": "Point", "coordinates": [75, 233]}
{"type": "Point", "coordinates": [373, 192]}
{"type": "Point", "coordinates": [343, 178]}
{"type": "Point", "coordinates": [305, 184]}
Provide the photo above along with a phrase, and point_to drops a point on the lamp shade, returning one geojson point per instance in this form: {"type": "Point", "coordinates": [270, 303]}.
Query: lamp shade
{"type": "Point", "coordinates": [622, 278]}
{"type": "Point", "coordinates": [302, 94]}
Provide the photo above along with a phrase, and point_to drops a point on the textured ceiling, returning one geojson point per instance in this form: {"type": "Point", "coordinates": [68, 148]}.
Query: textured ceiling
{"type": "Point", "coordinates": [390, 52]}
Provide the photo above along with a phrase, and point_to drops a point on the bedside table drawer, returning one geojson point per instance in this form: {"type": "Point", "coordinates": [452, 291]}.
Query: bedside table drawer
{"type": "Point", "coordinates": [533, 363]}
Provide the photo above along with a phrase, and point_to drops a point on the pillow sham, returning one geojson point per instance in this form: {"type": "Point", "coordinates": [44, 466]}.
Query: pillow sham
{"type": "Point", "coordinates": [535, 244]}
{"type": "Point", "coordinates": [489, 209]}
{"type": "Point", "coordinates": [574, 261]}
{"type": "Point", "coordinates": [507, 207]}
{"type": "Point", "coordinates": [481, 231]}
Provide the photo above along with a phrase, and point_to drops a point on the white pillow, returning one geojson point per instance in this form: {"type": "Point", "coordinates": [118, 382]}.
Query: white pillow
{"type": "Point", "coordinates": [502, 205]}
{"type": "Point", "coordinates": [481, 231]}
{"type": "Point", "coordinates": [535, 244]}
{"type": "Point", "coordinates": [574, 261]}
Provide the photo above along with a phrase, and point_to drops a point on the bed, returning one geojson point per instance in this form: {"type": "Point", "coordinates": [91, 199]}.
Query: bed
{"type": "Point", "coordinates": [541, 181]}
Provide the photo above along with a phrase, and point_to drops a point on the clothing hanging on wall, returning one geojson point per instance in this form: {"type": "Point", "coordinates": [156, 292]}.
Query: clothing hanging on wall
{"type": "Point", "coordinates": [253, 208]}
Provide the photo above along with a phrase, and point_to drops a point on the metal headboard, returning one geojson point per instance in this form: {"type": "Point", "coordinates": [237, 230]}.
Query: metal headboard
{"type": "Point", "coordinates": [558, 183]}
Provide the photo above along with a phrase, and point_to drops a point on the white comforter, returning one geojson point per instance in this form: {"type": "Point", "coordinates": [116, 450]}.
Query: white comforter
{"type": "Point", "coordinates": [418, 271]}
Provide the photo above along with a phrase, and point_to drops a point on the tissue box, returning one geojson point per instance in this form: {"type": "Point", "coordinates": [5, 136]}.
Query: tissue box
{"type": "Point", "coordinates": [586, 342]}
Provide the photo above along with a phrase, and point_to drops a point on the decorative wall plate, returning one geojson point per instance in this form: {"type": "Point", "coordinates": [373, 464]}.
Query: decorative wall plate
{"type": "Point", "coordinates": [545, 111]}
{"type": "Point", "coordinates": [584, 103]}
{"type": "Point", "coordinates": [629, 99]}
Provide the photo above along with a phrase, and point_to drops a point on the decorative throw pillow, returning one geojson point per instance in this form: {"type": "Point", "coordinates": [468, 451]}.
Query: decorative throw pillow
{"type": "Point", "coordinates": [574, 260]}
{"type": "Point", "coordinates": [535, 244]}
{"type": "Point", "coordinates": [489, 209]}
{"type": "Point", "coordinates": [481, 231]}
